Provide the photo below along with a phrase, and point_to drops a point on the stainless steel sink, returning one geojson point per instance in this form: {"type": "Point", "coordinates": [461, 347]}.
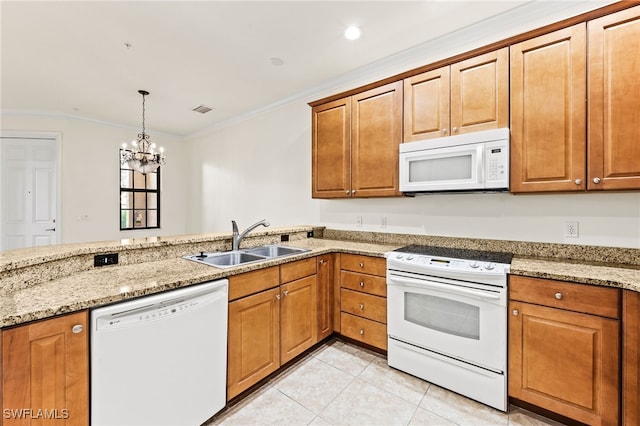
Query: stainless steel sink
{"type": "Point", "coordinates": [275, 250]}
{"type": "Point", "coordinates": [227, 259]}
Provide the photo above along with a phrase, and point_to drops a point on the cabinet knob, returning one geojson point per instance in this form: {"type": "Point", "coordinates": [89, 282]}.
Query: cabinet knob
{"type": "Point", "coordinates": [361, 283]}
{"type": "Point", "coordinates": [322, 261]}
{"type": "Point", "coordinates": [515, 312]}
{"type": "Point", "coordinates": [353, 191]}
{"type": "Point", "coordinates": [362, 331]}
{"type": "Point", "coordinates": [361, 265]}
{"type": "Point", "coordinates": [444, 131]}
{"type": "Point", "coordinates": [77, 329]}
{"type": "Point", "coordinates": [286, 292]}
{"type": "Point", "coordinates": [596, 180]}
{"type": "Point", "coordinates": [347, 191]}
{"type": "Point", "coordinates": [455, 130]}
{"type": "Point", "coordinates": [558, 295]}
{"type": "Point", "coordinates": [362, 307]}
{"type": "Point", "coordinates": [578, 181]}
{"type": "Point", "coordinates": [277, 297]}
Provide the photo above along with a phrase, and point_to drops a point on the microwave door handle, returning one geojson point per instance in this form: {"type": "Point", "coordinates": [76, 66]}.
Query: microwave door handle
{"type": "Point", "coordinates": [480, 164]}
{"type": "Point", "coordinates": [411, 282]}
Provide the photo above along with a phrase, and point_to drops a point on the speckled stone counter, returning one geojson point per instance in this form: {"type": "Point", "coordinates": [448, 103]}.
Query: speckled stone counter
{"type": "Point", "coordinates": [108, 284]}
{"type": "Point", "coordinates": [47, 281]}
{"type": "Point", "coordinates": [620, 276]}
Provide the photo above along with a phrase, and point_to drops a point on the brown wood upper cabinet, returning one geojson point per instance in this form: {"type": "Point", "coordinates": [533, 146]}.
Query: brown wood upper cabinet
{"type": "Point", "coordinates": [467, 96]}
{"type": "Point", "coordinates": [45, 366]}
{"type": "Point", "coordinates": [355, 144]}
{"type": "Point", "coordinates": [550, 148]}
{"type": "Point", "coordinates": [548, 112]}
{"type": "Point", "coordinates": [614, 101]}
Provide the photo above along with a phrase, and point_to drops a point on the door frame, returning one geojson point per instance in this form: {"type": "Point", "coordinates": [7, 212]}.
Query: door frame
{"type": "Point", "coordinates": [57, 137]}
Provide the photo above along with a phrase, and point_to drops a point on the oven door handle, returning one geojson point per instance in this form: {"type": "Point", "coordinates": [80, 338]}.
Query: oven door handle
{"type": "Point", "coordinates": [411, 282]}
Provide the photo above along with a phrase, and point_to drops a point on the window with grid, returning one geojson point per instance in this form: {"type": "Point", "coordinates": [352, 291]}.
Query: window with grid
{"type": "Point", "coordinates": [139, 199]}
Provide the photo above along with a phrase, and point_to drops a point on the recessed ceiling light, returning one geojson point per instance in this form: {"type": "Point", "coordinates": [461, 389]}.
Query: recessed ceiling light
{"type": "Point", "coordinates": [352, 33]}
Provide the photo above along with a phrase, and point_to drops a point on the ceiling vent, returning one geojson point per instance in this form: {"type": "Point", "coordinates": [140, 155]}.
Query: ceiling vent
{"type": "Point", "coordinates": [202, 109]}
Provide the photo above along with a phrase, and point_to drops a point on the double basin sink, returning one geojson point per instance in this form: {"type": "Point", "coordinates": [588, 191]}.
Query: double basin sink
{"type": "Point", "coordinates": [227, 259]}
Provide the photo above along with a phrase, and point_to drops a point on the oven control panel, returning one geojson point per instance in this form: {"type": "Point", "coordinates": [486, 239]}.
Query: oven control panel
{"type": "Point", "coordinates": [427, 262]}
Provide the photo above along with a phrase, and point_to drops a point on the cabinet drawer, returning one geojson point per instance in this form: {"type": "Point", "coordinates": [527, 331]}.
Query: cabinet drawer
{"type": "Point", "coordinates": [362, 282]}
{"type": "Point", "coordinates": [299, 269]}
{"type": "Point", "coordinates": [253, 282]}
{"type": "Point", "coordinates": [364, 264]}
{"type": "Point", "coordinates": [370, 332]}
{"type": "Point", "coordinates": [364, 305]}
{"type": "Point", "coordinates": [602, 301]}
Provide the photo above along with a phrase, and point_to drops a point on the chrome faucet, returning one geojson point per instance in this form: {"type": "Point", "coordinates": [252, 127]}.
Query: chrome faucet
{"type": "Point", "coordinates": [237, 238]}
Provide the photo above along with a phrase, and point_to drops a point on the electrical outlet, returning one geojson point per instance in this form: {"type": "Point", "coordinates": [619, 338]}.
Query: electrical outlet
{"type": "Point", "coordinates": [571, 229]}
{"type": "Point", "coordinates": [383, 221]}
{"type": "Point", "coordinates": [359, 221]}
{"type": "Point", "coordinates": [105, 259]}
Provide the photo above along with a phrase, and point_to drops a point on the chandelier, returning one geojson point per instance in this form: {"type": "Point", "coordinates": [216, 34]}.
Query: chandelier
{"type": "Point", "coordinates": [142, 156]}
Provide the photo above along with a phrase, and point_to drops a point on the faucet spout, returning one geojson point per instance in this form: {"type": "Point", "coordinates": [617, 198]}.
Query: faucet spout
{"type": "Point", "coordinates": [237, 238]}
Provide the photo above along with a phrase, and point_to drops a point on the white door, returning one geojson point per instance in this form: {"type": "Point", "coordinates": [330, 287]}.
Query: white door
{"type": "Point", "coordinates": [28, 192]}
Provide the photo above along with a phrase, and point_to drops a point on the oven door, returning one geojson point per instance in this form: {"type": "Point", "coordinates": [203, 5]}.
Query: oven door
{"type": "Point", "coordinates": [462, 320]}
{"type": "Point", "coordinates": [451, 168]}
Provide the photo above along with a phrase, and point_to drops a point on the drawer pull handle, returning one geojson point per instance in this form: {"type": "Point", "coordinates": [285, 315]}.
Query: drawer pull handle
{"type": "Point", "coordinates": [361, 283]}
{"type": "Point", "coordinates": [77, 329]}
{"type": "Point", "coordinates": [362, 306]}
{"type": "Point", "coordinates": [362, 331]}
{"type": "Point", "coordinates": [558, 296]}
{"type": "Point", "coordinates": [516, 312]}
{"type": "Point", "coordinates": [361, 265]}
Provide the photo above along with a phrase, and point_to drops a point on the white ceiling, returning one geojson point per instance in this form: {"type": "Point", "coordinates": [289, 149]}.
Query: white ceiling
{"type": "Point", "coordinates": [70, 57]}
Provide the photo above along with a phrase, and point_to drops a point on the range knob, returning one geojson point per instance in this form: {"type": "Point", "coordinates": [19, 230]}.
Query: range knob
{"type": "Point", "coordinates": [489, 266]}
{"type": "Point", "coordinates": [474, 265]}
{"type": "Point", "coordinates": [410, 257]}
{"type": "Point", "coordinates": [399, 257]}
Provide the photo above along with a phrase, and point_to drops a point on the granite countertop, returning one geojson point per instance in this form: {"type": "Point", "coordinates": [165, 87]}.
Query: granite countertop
{"type": "Point", "coordinates": [158, 266]}
{"type": "Point", "coordinates": [108, 284]}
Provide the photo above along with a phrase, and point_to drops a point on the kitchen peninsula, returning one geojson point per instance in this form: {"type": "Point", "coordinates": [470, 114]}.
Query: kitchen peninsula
{"type": "Point", "coordinates": [47, 282]}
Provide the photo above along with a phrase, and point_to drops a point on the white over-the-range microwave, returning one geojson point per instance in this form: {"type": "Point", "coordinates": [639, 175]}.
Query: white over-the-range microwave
{"type": "Point", "coordinates": [470, 162]}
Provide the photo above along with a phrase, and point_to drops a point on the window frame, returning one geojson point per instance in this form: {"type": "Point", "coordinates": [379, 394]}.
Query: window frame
{"type": "Point", "coordinates": [133, 191]}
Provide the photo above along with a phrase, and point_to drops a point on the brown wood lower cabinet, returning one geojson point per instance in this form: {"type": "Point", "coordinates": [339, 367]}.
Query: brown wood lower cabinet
{"type": "Point", "coordinates": [631, 358]}
{"type": "Point", "coordinates": [363, 299]}
{"type": "Point", "coordinates": [565, 356]}
{"type": "Point", "coordinates": [273, 317]}
{"type": "Point", "coordinates": [298, 327]}
{"type": "Point", "coordinates": [45, 369]}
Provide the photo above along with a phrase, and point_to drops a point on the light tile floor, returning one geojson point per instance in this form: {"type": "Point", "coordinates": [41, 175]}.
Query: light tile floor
{"type": "Point", "coordinates": [342, 384]}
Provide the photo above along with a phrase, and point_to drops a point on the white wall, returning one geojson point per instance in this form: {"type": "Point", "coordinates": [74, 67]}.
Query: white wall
{"type": "Point", "coordinates": [261, 168]}
{"type": "Point", "coordinates": [90, 177]}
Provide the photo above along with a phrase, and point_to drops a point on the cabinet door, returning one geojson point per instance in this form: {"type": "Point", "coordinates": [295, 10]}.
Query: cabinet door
{"type": "Point", "coordinates": [325, 296]}
{"type": "Point", "coordinates": [480, 93]}
{"type": "Point", "coordinates": [631, 358]}
{"type": "Point", "coordinates": [298, 317]}
{"type": "Point", "coordinates": [331, 149]}
{"type": "Point", "coordinates": [376, 134]}
{"type": "Point", "coordinates": [426, 105]}
{"type": "Point", "coordinates": [614, 101]}
{"type": "Point", "coordinates": [253, 340]}
{"type": "Point", "coordinates": [46, 367]}
{"type": "Point", "coordinates": [548, 113]}
{"type": "Point", "coordinates": [565, 362]}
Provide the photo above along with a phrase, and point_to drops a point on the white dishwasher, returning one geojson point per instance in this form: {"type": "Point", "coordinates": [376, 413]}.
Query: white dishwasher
{"type": "Point", "coordinates": [160, 360]}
